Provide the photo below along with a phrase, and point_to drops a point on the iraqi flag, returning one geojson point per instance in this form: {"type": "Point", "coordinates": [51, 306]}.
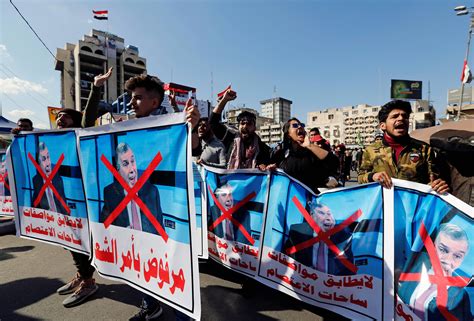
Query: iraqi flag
{"type": "Point", "coordinates": [219, 95]}
{"type": "Point", "coordinates": [466, 75]}
{"type": "Point", "coordinates": [101, 14]}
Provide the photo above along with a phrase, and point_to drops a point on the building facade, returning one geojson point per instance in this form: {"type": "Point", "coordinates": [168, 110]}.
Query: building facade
{"type": "Point", "coordinates": [94, 54]}
{"type": "Point", "coordinates": [279, 109]}
{"type": "Point", "coordinates": [356, 125]}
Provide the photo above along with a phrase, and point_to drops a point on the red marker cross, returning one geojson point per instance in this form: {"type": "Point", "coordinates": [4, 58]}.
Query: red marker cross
{"type": "Point", "coordinates": [227, 214]}
{"type": "Point", "coordinates": [48, 182]}
{"type": "Point", "coordinates": [324, 236]}
{"type": "Point", "coordinates": [132, 194]}
{"type": "Point", "coordinates": [3, 179]}
{"type": "Point", "coordinates": [442, 282]}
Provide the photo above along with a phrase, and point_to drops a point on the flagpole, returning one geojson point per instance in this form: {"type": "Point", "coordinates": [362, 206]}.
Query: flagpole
{"type": "Point", "coordinates": [458, 117]}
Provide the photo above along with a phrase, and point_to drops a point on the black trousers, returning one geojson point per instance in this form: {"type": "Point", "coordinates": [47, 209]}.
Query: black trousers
{"type": "Point", "coordinates": [83, 265]}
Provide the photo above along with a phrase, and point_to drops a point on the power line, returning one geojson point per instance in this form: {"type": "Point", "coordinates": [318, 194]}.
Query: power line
{"type": "Point", "coordinates": [23, 108]}
{"type": "Point", "coordinates": [37, 36]}
{"type": "Point", "coordinates": [27, 92]}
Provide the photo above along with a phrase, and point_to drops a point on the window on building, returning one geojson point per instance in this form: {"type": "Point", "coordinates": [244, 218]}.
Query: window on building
{"type": "Point", "coordinates": [355, 112]}
{"type": "Point", "coordinates": [346, 114]}
{"type": "Point", "coordinates": [331, 116]}
{"type": "Point", "coordinates": [420, 109]}
{"type": "Point", "coordinates": [374, 109]}
{"type": "Point", "coordinates": [315, 118]}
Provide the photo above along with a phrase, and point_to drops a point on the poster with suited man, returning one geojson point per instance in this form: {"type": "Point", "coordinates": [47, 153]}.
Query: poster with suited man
{"type": "Point", "coordinates": [48, 201]}
{"type": "Point", "coordinates": [434, 265]}
{"type": "Point", "coordinates": [47, 189]}
{"type": "Point", "coordinates": [132, 216]}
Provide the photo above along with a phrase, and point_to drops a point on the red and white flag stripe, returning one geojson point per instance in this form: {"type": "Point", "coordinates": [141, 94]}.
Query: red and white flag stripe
{"type": "Point", "coordinates": [101, 14]}
{"type": "Point", "coordinates": [466, 75]}
{"type": "Point", "coordinates": [223, 92]}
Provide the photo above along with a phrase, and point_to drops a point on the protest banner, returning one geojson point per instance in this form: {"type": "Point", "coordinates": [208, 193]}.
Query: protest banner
{"type": "Point", "coordinates": [140, 196]}
{"type": "Point", "coordinates": [6, 205]}
{"type": "Point", "coordinates": [433, 255]}
{"type": "Point", "coordinates": [48, 193]}
{"type": "Point", "coordinates": [200, 199]}
{"type": "Point", "coordinates": [325, 250]}
{"type": "Point", "coordinates": [236, 205]}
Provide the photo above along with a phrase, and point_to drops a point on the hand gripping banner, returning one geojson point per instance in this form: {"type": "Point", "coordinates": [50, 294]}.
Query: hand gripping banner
{"type": "Point", "coordinates": [140, 196]}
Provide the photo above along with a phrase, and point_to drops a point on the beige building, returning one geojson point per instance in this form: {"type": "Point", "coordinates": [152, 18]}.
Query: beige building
{"type": "Point", "coordinates": [94, 54]}
{"type": "Point", "coordinates": [279, 109]}
{"type": "Point", "coordinates": [271, 133]}
{"type": "Point", "coordinates": [356, 125]}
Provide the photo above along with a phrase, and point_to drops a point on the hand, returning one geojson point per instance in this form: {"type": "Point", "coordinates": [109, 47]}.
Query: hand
{"type": "Point", "coordinates": [229, 95]}
{"type": "Point", "coordinates": [306, 142]}
{"type": "Point", "coordinates": [261, 167]}
{"type": "Point", "coordinates": [439, 186]}
{"type": "Point", "coordinates": [383, 179]}
{"type": "Point", "coordinates": [271, 167]}
{"type": "Point", "coordinates": [199, 161]}
{"type": "Point", "coordinates": [100, 79]}
{"type": "Point", "coordinates": [192, 113]}
{"type": "Point", "coordinates": [172, 98]}
{"type": "Point", "coordinates": [16, 130]}
{"type": "Point", "coordinates": [332, 182]}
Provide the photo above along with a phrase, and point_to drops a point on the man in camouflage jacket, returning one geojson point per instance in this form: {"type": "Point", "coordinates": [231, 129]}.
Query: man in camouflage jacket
{"type": "Point", "coordinates": [398, 155]}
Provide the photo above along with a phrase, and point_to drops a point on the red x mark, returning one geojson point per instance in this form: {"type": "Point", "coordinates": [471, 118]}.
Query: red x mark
{"type": "Point", "coordinates": [442, 282]}
{"type": "Point", "coordinates": [324, 236]}
{"type": "Point", "coordinates": [227, 214]}
{"type": "Point", "coordinates": [48, 182]}
{"type": "Point", "coordinates": [3, 179]}
{"type": "Point", "coordinates": [132, 194]}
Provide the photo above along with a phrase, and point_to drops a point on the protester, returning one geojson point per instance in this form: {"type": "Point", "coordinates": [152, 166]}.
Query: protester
{"type": "Point", "coordinates": [347, 164]}
{"type": "Point", "coordinates": [399, 155]}
{"type": "Point", "coordinates": [455, 152]}
{"type": "Point", "coordinates": [308, 163]}
{"type": "Point", "coordinates": [82, 285]}
{"type": "Point", "coordinates": [23, 125]}
{"type": "Point", "coordinates": [244, 148]}
{"type": "Point", "coordinates": [147, 97]}
{"type": "Point", "coordinates": [212, 150]}
{"type": "Point", "coordinates": [378, 136]}
{"type": "Point", "coordinates": [340, 152]}
{"type": "Point", "coordinates": [316, 138]}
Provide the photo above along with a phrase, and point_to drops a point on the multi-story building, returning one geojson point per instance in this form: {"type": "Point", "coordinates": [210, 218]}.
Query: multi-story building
{"type": "Point", "coordinates": [94, 54]}
{"type": "Point", "coordinates": [271, 133]}
{"type": "Point", "coordinates": [356, 125]}
{"type": "Point", "coordinates": [351, 125]}
{"type": "Point", "coordinates": [279, 109]}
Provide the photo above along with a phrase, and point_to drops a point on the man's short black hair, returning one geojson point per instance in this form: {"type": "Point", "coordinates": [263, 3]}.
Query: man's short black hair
{"type": "Point", "coordinates": [25, 120]}
{"type": "Point", "coordinates": [391, 105]}
{"type": "Point", "coordinates": [248, 115]}
{"type": "Point", "coordinates": [150, 83]}
{"type": "Point", "coordinates": [315, 130]}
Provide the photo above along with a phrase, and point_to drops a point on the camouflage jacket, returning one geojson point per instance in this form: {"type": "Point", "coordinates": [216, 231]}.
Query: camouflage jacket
{"type": "Point", "coordinates": [415, 162]}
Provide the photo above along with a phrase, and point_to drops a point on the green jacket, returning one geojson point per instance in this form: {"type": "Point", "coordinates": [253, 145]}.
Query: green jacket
{"type": "Point", "coordinates": [415, 162]}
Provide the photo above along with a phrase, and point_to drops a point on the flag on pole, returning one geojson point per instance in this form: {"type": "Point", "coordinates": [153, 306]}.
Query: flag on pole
{"type": "Point", "coordinates": [466, 75]}
{"type": "Point", "coordinates": [101, 14]}
{"type": "Point", "coordinates": [219, 95]}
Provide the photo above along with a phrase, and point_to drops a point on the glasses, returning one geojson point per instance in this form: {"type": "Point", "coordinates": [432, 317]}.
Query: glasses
{"type": "Point", "coordinates": [297, 125]}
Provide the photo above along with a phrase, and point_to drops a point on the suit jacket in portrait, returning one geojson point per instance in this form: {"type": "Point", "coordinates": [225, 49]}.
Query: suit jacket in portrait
{"type": "Point", "coordinates": [458, 304]}
{"type": "Point", "coordinates": [44, 204]}
{"type": "Point", "coordinates": [302, 232]}
{"type": "Point", "coordinates": [115, 193]}
{"type": "Point", "coordinates": [242, 216]}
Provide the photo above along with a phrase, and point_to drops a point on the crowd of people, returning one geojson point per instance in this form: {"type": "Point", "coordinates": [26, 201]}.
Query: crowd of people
{"type": "Point", "coordinates": [306, 156]}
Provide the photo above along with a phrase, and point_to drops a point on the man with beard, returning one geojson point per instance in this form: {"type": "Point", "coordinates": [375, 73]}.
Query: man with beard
{"type": "Point", "coordinates": [132, 216]}
{"type": "Point", "coordinates": [399, 155]}
{"type": "Point", "coordinates": [244, 148]}
{"type": "Point", "coordinates": [212, 150]}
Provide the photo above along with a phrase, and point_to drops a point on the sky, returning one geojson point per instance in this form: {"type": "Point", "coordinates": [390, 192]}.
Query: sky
{"type": "Point", "coordinates": [318, 54]}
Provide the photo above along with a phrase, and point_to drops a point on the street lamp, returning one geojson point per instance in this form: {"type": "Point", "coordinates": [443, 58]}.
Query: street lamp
{"type": "Point", "coordinates": [462, 11]}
